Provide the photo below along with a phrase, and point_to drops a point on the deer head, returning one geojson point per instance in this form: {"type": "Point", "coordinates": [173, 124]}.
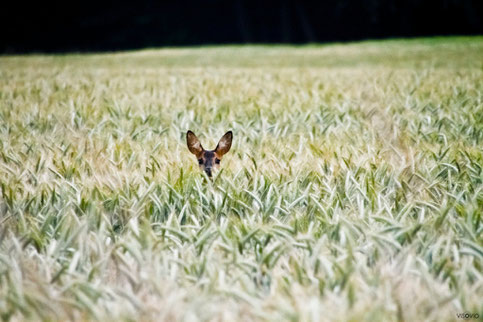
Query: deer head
{"type": "Point", "coordinates": [209, 159]}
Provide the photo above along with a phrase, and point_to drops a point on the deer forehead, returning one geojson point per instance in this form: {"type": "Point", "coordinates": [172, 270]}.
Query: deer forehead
{"type": "Point", "coordinates": [210, 155]}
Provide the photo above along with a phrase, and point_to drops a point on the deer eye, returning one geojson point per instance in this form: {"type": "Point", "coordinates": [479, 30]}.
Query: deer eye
{"type": "Point", "coordinates": [200, 161]}
{"type": "Point", "coordinates": [217, 161]}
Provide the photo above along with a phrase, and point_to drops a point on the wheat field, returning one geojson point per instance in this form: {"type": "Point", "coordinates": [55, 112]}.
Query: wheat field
{"type": "Point", "coordinates": [353, 190]}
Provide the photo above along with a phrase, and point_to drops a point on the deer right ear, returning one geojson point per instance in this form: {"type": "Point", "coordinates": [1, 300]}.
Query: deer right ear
{"type": "Point", "coordinates": [194, 144]}
{"type": "Point", "coordinates": [225, 144]}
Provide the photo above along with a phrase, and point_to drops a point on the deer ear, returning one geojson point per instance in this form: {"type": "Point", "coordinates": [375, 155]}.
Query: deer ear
{"type": "Point", "coordinates": [225, 144]}
{"type": "Point", "coordinates": [194, 144]}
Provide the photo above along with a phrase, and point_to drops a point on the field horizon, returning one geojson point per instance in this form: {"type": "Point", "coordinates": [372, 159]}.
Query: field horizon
{"type": "Point", "coordinates": [353, 190]}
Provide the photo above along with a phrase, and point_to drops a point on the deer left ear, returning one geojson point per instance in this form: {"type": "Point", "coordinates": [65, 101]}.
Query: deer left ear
{"type": "Point", "coordinates": [225, 144]}
{"type": "Point", "coordinates": [194, 144]}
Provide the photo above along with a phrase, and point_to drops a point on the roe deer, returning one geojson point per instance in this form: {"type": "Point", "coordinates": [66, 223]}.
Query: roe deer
{"type": "Point", "coordinates": [209, 159]}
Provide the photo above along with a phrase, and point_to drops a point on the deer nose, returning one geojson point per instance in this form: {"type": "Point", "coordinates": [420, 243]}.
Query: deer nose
{"type": "Point", "coordinates": [208, 171]}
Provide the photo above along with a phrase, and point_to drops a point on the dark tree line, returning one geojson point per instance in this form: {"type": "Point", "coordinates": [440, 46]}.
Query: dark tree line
{"type": "Point", "coordinates": [112, 25]}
